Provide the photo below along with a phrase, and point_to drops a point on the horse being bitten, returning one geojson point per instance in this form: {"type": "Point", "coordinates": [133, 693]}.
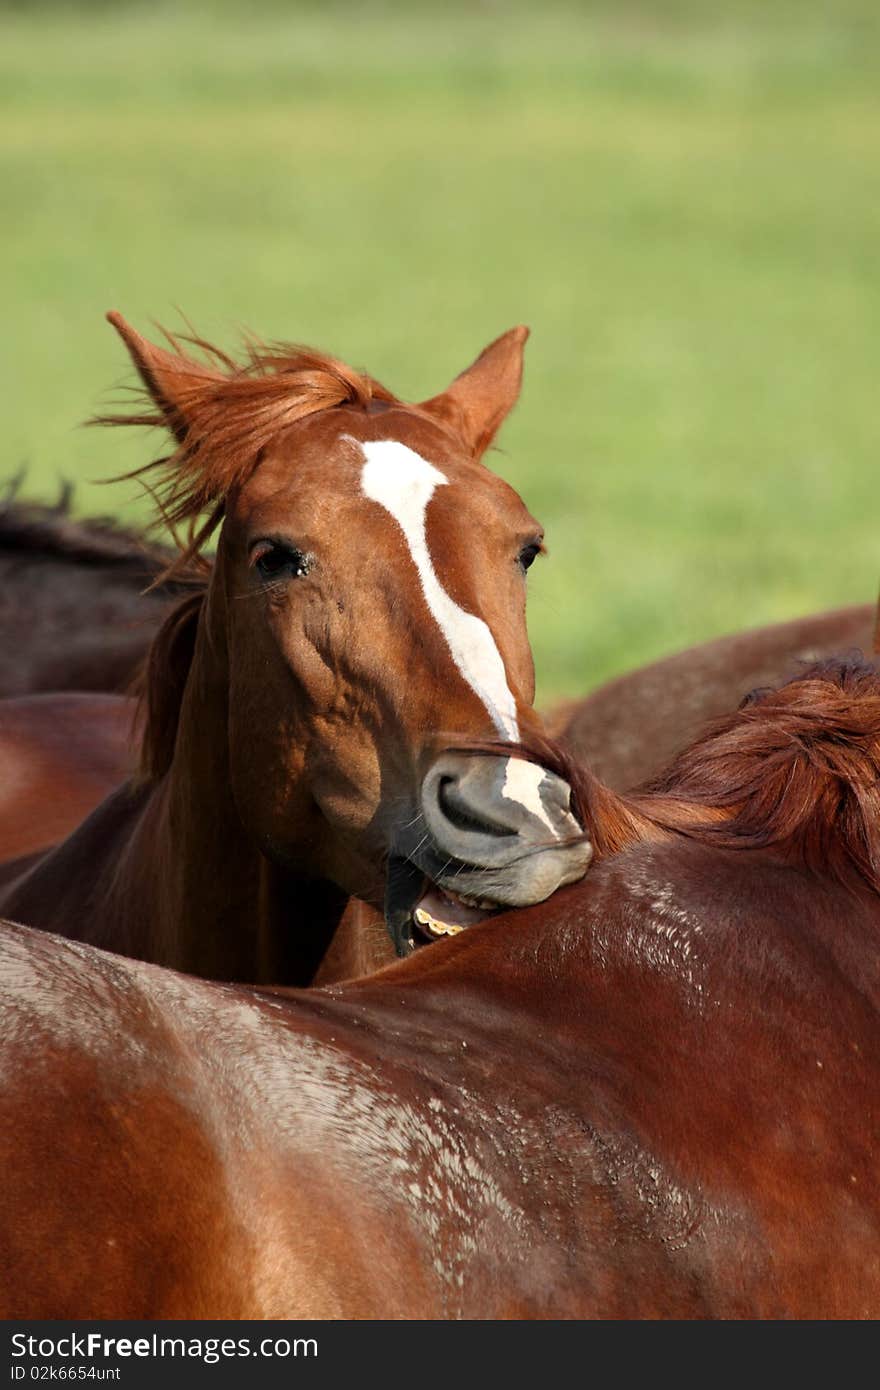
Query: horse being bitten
{"type": "Point", "coordinates": [655, 1095]}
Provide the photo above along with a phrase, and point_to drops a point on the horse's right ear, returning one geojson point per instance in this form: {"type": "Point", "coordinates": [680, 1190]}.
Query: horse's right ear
{"type": "Point", "coordinates": [176, 383]}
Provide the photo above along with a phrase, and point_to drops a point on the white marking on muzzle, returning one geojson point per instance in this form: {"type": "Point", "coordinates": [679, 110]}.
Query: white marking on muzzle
{"type": "Point", "coordinates": [522, 783]}
{"type": "Point", "coordinates": [402, 482]}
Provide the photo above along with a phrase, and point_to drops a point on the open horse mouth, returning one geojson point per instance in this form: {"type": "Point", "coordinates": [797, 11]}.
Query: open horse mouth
{"type": "Point", "coordinates": [494, 833]}
{"type": "Point", "coordinates": [439, 913]}
{"type": "Point", "coordinates": [418, 911]}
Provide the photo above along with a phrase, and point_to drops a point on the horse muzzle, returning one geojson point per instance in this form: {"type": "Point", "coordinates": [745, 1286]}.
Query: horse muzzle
{"type": "Point", "coordinates": [495, 832]}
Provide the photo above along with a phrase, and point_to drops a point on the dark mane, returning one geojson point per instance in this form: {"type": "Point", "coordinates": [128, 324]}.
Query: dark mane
{"type": "Point", "coordinates": [32, 528]}
{"type": "Point", "coordinates": [225, 415]}
{"type": "Point", "coordinates": [160, 684]}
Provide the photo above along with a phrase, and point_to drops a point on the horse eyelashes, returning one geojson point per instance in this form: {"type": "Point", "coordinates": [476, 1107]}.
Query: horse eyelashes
{"type": "Point", "coordinates": [528, 555]}
{"type": "Point", "coordinates": [279, 562]}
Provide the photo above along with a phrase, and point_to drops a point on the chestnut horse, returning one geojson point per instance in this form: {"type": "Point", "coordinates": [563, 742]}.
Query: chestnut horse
{"type": "Point", "coordinates": [625, 730]}
{"type": "Point", "coordinates": [368, 597]}
{"type": "Point", "coordinates": [82, 599]}
{"type": "Point", "coordinates": [655, 1095]}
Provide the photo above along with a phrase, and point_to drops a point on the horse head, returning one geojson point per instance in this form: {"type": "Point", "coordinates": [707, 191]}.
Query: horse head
{"type": "Point", "coordinates": [366, 611]}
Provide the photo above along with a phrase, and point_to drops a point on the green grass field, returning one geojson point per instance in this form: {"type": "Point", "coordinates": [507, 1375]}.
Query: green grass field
{"type": "Point", "coordinates": [682, 200]}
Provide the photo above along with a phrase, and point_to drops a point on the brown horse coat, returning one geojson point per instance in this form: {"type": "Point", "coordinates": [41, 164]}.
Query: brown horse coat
{"type": "Point", "coordinates": [74, 611]}
{"type": "Point", "coordinates": [655, 1095]}
{"type": "Point", "coordinates": [59, 756]}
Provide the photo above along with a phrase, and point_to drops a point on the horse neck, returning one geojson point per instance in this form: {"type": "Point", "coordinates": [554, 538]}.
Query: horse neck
{"type": "Point", "coordinates": [222, 908]}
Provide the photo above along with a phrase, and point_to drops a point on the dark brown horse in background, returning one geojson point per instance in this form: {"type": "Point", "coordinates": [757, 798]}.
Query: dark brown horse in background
{"type": "Point", "coordinates": [628, 729]}
{"type": "Point", "coordinates": [368, 597]}
{"type": "Point", "coordinates": [80, 602]}
{"type": "Point", "coordinates": [655, 1095]}
{"type": "Point", "coordinates": [76, 616]}
{"type": "Point", "coordinates": [76, 608]}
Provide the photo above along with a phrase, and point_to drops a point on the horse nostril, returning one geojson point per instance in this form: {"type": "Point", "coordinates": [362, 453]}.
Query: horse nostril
{"type": "Point", "coordinates": [458, 813]}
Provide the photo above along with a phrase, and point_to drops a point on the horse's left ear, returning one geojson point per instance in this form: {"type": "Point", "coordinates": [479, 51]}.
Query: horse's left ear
{"type": "Point", "coordinates": [478, 401]}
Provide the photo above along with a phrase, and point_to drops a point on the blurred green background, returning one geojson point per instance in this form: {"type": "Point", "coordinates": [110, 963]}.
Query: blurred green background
{"type": "Point", "coordinates": [682, 199]}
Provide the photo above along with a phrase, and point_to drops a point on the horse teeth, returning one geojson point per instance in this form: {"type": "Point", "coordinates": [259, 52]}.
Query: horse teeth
{"type": "Point", "coordinates": [435, 927]}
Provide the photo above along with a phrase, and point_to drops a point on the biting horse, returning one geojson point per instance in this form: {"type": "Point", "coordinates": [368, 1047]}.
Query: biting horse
{"type": "Point", "coordinates": [625, 730]}
{"type": "Point", "coordinates": [81, 600]}
{"type": "Point", "coordinates": [655, 1095]}
{"type": "Point", "coordinates": [367, 601]}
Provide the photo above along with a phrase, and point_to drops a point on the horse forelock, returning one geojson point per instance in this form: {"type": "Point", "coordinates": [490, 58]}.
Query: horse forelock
{"type": "Point", "coordinates": [225, 416]}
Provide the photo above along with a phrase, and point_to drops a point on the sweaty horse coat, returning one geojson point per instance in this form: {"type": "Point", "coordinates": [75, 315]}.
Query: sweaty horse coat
{"type": "Point", "coordinates": [657, 1094]}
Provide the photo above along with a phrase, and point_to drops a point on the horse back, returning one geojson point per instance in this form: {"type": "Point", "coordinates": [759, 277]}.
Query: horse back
{"type": "Point", "coordinates": [630, 728]}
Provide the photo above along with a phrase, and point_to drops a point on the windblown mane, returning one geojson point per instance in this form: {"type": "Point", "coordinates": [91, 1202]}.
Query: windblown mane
{"type": "Point", "coordinates": [225, 415]}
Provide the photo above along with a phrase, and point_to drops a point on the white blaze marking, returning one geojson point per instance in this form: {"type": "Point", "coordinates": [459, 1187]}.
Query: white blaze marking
{"type": "Point", "coordinates": [522, 783]}
{"type": "Point", "coordinates": [402, 482]}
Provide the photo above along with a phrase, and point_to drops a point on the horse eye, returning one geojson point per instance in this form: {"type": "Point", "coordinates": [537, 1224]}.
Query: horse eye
{"type": "Point", "coordinates": [528, 553]}
{"type": "Point", "coordinates": [273, 560]}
